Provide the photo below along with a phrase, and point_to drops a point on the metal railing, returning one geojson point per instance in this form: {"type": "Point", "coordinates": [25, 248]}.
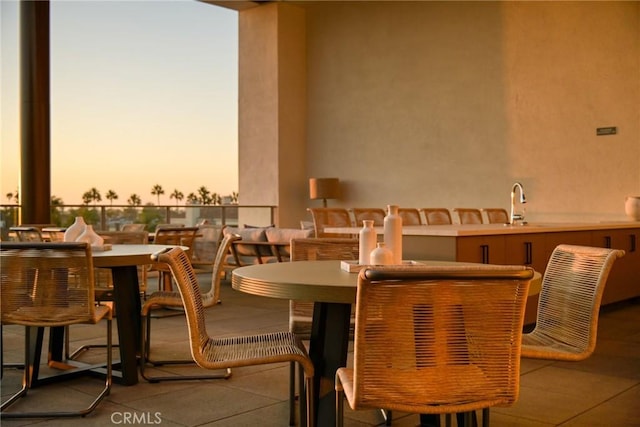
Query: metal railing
{"type": "Point", "coordinates": [112, 217]}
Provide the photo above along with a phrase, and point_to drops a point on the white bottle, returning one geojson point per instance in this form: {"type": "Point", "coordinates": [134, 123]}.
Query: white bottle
{"type": "Point", "coordinates": [381, 255]}
{"type": "Point", "coordinates": [393, 233]}
{"type": "Point", "coordinates": [368, 239]}
{"type": "Point", "coordinates": [74, 231]}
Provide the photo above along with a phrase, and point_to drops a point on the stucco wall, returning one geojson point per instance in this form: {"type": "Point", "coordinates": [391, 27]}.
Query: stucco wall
{"type": "Point", "coordinates": [446, 104]}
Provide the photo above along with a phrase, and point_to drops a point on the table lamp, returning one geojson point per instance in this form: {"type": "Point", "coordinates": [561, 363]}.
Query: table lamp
{"type": "Point", "coordinates": [324, 188]}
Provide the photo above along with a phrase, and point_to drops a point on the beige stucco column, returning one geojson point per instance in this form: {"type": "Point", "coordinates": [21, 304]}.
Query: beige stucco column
{"type": "Point", "coordinates": [272, 112]}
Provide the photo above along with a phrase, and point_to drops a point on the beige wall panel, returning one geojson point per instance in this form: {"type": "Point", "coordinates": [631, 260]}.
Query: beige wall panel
{"type": "Point", "coordinates": [442, 104]}
{"type": "Point", "coordinates": [447, 104]}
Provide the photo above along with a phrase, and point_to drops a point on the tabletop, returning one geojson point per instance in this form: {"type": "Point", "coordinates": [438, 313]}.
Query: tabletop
{"type": "Point", "coordinates": [320, 281]}
{"type": "Point", "coordinates": [127, 255]}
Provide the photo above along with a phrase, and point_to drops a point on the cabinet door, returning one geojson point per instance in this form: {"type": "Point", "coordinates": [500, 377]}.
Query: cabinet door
{"type": "Point", "coordinates": [581, 238]}
{"type": "Point", "coordinates": [481, 249]}
{"type": "Point", "coordinates": [625, 275]}
{"type": "Point", "coordinates": [526, 249]}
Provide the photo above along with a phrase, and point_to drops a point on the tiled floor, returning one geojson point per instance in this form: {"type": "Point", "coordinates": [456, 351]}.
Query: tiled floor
{"type": "Point", "coordinates": [604, 390]}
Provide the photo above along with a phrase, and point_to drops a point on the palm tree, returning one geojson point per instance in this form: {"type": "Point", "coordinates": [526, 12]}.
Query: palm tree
{"type": "Point", "coordinates": [192, 199]}
{"type": "Point", "coordinates": [157, 190]}
{"type": "Point", "coordinates": [177, 195]}
{"type": "Point", "coordinates": [204, 194]}
{"type": "Point", "coordinates": [134, 200]}
{"type": "Point", "coordinates": [86, 198]}
{"type": "Point", "coordinates": [111, 196]}
{"type": "Point", "coordinates": [234, 197]}
{"type": "Point", "coordinates": [93, 195]}
{"type": "Point", "coordinates": [13, 196]}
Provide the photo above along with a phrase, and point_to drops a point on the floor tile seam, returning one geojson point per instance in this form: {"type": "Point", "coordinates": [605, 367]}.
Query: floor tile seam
{"type": "Point", "coordinates": [600, 403]}
{"type": "Point", "coordinates": [248, 411]}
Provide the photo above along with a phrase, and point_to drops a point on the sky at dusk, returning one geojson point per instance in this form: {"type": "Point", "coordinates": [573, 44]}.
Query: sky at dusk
{"type": "Point", "coordinates": [142, 93]}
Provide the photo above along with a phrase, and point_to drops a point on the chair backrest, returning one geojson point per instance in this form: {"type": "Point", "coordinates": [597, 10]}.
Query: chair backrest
{"type": "Point", "coordinates": [213, 295]}
{"type": "Point", "coordinates": [324, 248]}
{"type": "Point", "coordinates": [27, 234]}
{"type": "Point", "coordinates": [570, 297]}
{"type": "Point", "coordinates": [320, 249]}
{"type": "Point", "coordinates": [133, 227]}
{"type": "Point", "coordinates": [187, 282]}
{"type": "Point", "coordinates": [183, 236]}
{"type": "Point", "coordinates": [332, 217]}
{"type": "Point", "coordinates": [438, 339]}
{"type": "Point", "coordinates": [437, 216]}
{"type": "Point", "coordinates": [496, 215]}
{"type": "Point", "coordinates": [410, 216]}
{"type": "Point", "coordinates": [375, 214]}
{"type": "Point", "coordinates": [140, 237]}
{"type": "Point", "coordinates": [46, 284]}
{"type": "Point", "coordinates": [469, 216]}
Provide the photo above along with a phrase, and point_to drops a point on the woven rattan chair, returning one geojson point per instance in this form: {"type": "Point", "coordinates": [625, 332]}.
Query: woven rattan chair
{"type": "Point", "coordinates": [410, 216]}
{"type": "Point", "coordinates": [375, 214]}
{"type": "Point", "coordinates": [436, 340]}
{"type": "Point", "coordinates": [437, 216]}
{"type": "Point", "coordinates": [329, 217]}
{"type": "Point", "coordinates": [569, 303]}
{"type": "Point", "coordinates": [496, 215]}
{"type": "Point", "coordinates": [163, 299]}
{"type": "Point", "coordinates": [468, 216]}
{"type": "Point", "coordinates": [133, 227]}
{"type": "Point", "coordinates": [231, 352]}
{"type": "Point", "coordinates": [49, 285]}
{"type": "Point", "coordinates": [301, 312]}
{"type": "Point", "coordinates": [172, 235]}
{"type": "Point", "coordinates": [26, 234]}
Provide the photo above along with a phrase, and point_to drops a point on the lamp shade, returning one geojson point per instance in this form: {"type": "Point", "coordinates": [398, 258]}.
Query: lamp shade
{"type": "Point", "coordinates": [324, 188]}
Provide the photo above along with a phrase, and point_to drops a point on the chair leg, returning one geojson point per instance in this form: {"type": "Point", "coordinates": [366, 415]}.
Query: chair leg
{"type": "Point", "coordinates": [292, 393]}
{"type": "Point", "coordinates": [386, 414]}
{"type": "Point", "coordinates": [304, 404]}
{"type": "Point", "coordinates": [339, 407]}
{"type": "Point", "coordinates": [309, 408]}
{"type": "Point", "coordinates": [144, 360]}
{"type": "Point", "coordinates": [485, 417]}
{"type": "Point", "coordinates": [26, 384]}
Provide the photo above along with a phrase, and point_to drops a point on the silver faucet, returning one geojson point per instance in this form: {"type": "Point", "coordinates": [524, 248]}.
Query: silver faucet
{"type": "Point", "coordinates": [514, 216]}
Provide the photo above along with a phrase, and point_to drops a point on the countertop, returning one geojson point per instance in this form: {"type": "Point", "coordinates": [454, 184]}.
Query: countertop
{"type": "Point", "coordinates": [458, 230]}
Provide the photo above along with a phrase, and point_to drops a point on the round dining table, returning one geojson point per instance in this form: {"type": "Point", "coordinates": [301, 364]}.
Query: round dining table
{"type": "Point", "coordinates": [123, 261]}
{"type": "Point", "coordinates": [333, 291]}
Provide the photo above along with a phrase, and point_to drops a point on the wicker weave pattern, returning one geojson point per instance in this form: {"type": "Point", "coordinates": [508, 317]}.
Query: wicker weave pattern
{"type": "Point", "coordinates": [329, 217]}
{"type": "Point", "coordinates": [229, 352]}
{"type": "Point", "coordinates": [410, 216]}
{"type": "Point", "coordinates": [46, 285]}
{"type": "Point", "coordinates": [468, 216]}
{"type": "Point", "coordinates": [437, 216]}
{"type": "Point", "coordinates": [496, 215]}
{"type": "Point", "coordinates": [569, 303]}
{"type": "Point", "coordinates": [375, 214]}
{"type": "Point", "coordinates": [436, 339]}
{"type": "Point", "coordinates": [173, 299]}
{"type": "Point", "coordinates": [300, 312]}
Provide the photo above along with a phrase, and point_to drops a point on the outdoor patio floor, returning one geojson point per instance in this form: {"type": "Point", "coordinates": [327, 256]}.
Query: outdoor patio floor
{"type": "Point", "coordinates": [603, 390]}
